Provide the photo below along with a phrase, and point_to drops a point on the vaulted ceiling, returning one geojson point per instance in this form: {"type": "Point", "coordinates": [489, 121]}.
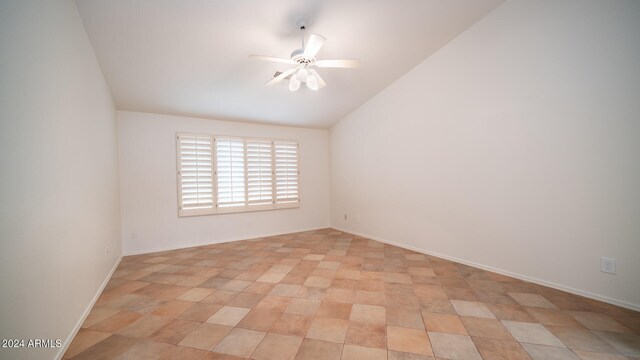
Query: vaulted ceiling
{"type": "Point", "coordinates": [190, 57]}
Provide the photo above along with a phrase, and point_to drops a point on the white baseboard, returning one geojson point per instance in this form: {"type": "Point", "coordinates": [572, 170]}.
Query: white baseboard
{"type": "Point", "coordinates": [587, 294]}
{"type": "Point", "coordinates": [190, 245]}
{"type": "Point", "coordinates": [87, 310]}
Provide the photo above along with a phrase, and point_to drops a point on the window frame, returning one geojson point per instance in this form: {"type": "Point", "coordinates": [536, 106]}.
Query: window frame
{"type": "Point", "coordinates": [215, 209]}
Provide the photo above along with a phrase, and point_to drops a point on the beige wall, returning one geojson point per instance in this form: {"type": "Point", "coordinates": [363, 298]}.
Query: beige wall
{"type": "Point", "coordinates": [149, 191]}
{"type": "Point", "coordinates": [59, 204]}
{"type": "Point", "coordinates": [514, 147]}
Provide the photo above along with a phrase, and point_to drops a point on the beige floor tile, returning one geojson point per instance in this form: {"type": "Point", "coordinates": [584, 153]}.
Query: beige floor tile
{"type": "Point", "coordinates": [303, 307]}
{"type": "Point", "coordinates": [206, 336]}
{"type": "Point", "coordinates": [109, 348]}
{"type": "Point", "coordinates": [144, 326]}
{"type": "Point", "coordinates": [408, 340]}
{"type": "Point", "coordinates": [272, 277]}
{"type": "Point", "coordinates": [98, 314]}
{"type": "Point", "coordinates": [236, 285]}
{"type": "Point", "coordinates": [340, 295]}
{"type": "Point", "coordinates": [184, 353]}
{"type": "Point", "coordinates": [420, 271]}
{"type": "Point", "coordinates": [292, 324]}
{"type": "Point", "coordinates": [85, 339]}
{"type": "Point", "coordinates": [259, 320]}
{"type": "Point", "coordinates": [485, 328]}
{"type": "Point", "coordinates": [531, 333]}
{"type": "Point", "coordinates": [287, 290]}
{"type": "Point", "coordinates": [397, 278]}
{"type": "Point", "coordinates": [317, 281]}
{"type": "Point", "coordinates": [281, 268]}
{"type": "Point", "coordinates": [444, 323]}
{"type": "Point", "coordinates": [370, 298]}
{"type": "Point", "coordinates": [163, 291]}
{"type": "Point", "coordinates": [348, 274]}
{"type": "Point", "coordinates": [172, 308]}
{"type": "Point", "coordinates": [366, 334]}
{"type": "Point", "coordinates": [332, 265]}
{"type": "Point", "coordinates": [511, 312]}
{"type": "Point", "coordinates": [228, 316]}
{"type": "Point", "coordinates": [200, 312]}
{"type": "Point", "coordinates": [328, 329]}
{"type": "Point", "coordinates": [534, 300]}
{"type": "Point", "coordinates": [430, 292]}
{"type": "Point", "coordinates": [117, 321]}
{"type": "Point", "coordinates": [369, 314]}
{"type": "Point", "coordinates": [553, 317]}
{"type": "Point", "coordinates": [597, 321]}
{"type": "Point", "coordinates": [277, 347]}
{"type": "Point", "coordinates": [543, 352]}
{"type": "Point", "coordinates": [353, 352]}
{"type": "Point", "coordinates": [494, 349]}
{"type": "Point", "coordinates": [220, 297]}
{"type": "Point", "coordinates": [273, 303]}
{"type": "Point", "coordinates": [398, 355]}
{"type": "Point", "coordinates": [454, 347]}
{"type": "Point", "coordinates": [312, 349]}
{"type": "Point", "coordinates": [581, 339]}
{"type": "Point", "coordinates": [334, 310]}
{"type": "Point", "coordinates": [259, 288]}
{"type": "Point", "coordinates": [196, 294]}
{"type": "Point", "coordinates": [137, 303]}
{"type": "Point", "coordinates": [239, 342]}
{"type": "Point", "coordinates": [440, 306]}
{"type": "Point", "coordinates": [626, 343]}
{"type": "Point", "coordinates": [472, 308]}
{"type": "Point", "coordinates": [311, 293]}
{"type": "Point", "coordinates": [588, 355]}
{"type": "Point", "coordinates": [246, 300]}
{"type": "Point", "coordinates": [174, 331]}
{"type": "Point", "coordinates": [404, 317]}
{"type": "Point", "coordinates": [146, 349]}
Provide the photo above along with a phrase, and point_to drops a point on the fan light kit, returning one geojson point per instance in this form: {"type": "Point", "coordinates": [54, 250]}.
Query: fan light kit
{"type": "Point", "coordinates": [305, 63]}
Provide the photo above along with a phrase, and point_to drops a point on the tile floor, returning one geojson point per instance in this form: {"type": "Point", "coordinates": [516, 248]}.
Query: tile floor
{"type": "Point", "coordinates": [331, 295]}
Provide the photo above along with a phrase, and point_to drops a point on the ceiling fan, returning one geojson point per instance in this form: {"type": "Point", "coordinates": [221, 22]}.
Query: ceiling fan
{"type": "Point", "coordinates": [305, 63]}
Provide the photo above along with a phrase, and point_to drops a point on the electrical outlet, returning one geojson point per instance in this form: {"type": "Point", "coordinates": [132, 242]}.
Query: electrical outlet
{"type": "Point", "coordinates": [345, 217]}
{"type": "Point", "coordinates": [358, 219]}
{"type": "Point", "coordinates": [608, 265]}
{"type": "Point", "coordinates": [107, 251]}
{"type": "Point", "coordinates": [133, 236]}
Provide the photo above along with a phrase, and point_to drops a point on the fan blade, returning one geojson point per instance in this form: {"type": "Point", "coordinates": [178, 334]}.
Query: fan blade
{"type": "Point", "coordinates": [281, 77]}
{"type": "Point", "coordinates": [352, 64]}
{"type": "Point", "coordinates": [321, 82]}
{"type": "Point", "coordinates": [272, 58]}
{"type": "Point", "coordinates": [314, 45]}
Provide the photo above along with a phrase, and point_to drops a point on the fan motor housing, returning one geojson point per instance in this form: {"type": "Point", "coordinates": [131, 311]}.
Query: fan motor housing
{"type": "Point", "coordinates": [298, 57]}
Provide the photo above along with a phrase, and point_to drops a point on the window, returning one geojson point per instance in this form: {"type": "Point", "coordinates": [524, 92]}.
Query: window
{"type": "Point", "coordinates": [286, 174]}
{"type": "Point", "coordinates": [220, 174]}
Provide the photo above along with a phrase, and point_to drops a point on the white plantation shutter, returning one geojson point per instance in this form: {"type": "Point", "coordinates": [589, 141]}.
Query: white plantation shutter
{"type": "Point", "coordinates": [218, 175]}
{"type": "Point", "coordinates": [195, 173]}
{"type": "Point", "coordinates": [230, 172]}
{"type": "Point", "coordinates": [259, 172]}
{"type": "Point", "coordinates": [286, 172]}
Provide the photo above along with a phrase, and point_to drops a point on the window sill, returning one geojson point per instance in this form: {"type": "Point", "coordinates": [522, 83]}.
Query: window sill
{"type": "Point", "coordinates": [237, 209]}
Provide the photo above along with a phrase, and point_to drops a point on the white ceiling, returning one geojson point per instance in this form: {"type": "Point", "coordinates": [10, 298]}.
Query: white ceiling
{"type": "Point", "coordinates": [189, 57]}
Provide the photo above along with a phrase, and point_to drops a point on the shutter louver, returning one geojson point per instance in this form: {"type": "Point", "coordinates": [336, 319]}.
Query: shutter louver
{"type": "Point", "coordinates": [286, 172]}
{"type": "Point", "coordinates": [195, 172]}
{"type": "Point", "coordinates": [259, 172]}
{"type": "Point", "coordinates": [230, 172]}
